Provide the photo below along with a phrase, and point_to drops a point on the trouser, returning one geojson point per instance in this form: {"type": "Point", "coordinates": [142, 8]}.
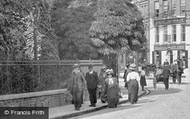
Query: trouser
{"type": "Point", "coordinates": [77, 99]}
{"type": "Point", "coordinates": [179, 78]}
{"type": "Point", "coordinates": [82, 96]}
{"type": "Point", "coordinates": [93, 96]}
{"type": "Point", "coordinates": [166, 83]}
{"type": "Point", "coordinates": [142, 87]}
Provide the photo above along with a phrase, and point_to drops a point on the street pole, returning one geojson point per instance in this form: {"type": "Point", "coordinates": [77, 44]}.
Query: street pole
{"type": "Point", "coordinates": [117, 67]}
{"type": "Point", "coordinates": [35, 45]}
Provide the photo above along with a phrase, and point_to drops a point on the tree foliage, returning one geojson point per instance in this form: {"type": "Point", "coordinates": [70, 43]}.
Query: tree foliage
{"type": "Point", "coordinates": [18, 19]}
{"type": "Point", "coordinates": [118, 24]}
{"type": "Point", "coordinates": [71, 21]}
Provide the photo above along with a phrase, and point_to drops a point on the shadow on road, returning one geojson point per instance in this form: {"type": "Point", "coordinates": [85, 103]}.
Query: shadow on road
{"type": "Point", "coordinates": [161, 91]}
{"type": "Point", "coordinates": [145, 101]}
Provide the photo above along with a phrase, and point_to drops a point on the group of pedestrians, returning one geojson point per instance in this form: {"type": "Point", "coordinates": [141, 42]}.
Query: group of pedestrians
{"type": "Point", "coordinates": [174, 70]}
{"type": "Point", "coordinates": [104, 86]}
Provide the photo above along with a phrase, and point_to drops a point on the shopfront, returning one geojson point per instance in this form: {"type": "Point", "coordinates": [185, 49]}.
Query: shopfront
{"type": "Point", "coordinates": [169, 52]}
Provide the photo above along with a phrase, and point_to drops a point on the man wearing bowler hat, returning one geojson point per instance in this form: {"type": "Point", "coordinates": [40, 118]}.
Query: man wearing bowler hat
{"type": "Point", "coordinates": [77, 85]}
{"type": "Point", "coordinates": [92, 82]}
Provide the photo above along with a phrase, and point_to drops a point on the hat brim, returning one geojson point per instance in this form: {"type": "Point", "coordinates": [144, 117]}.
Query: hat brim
{"type": "Point", "coordinates": [132, 68]}
{"type": "Point", "coordinates": [76, 65]}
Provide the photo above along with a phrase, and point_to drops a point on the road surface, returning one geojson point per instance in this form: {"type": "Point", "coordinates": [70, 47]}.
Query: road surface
{"type": "Point", "coordinates": [159, 104]}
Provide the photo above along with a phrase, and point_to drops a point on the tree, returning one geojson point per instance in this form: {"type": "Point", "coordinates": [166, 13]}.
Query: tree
{"type": "Point", "coordinates": [18, 19]}
{"type": "Point", "coordinates": [71, 21]}
{"type": "Point", "coordinates": [118, 25]}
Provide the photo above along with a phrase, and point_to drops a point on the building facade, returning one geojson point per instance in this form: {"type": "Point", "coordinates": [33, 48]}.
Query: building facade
{"type": "Point", "coordinates": [169, 31]}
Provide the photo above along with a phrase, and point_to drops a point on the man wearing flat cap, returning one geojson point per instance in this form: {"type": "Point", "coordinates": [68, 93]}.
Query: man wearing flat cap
{"type": "Point", "coordinates": [92, 82]}
{"type": "Point", "coordinates": [77, 84]}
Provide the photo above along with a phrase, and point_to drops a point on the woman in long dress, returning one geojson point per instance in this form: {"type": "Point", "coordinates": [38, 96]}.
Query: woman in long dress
{"type": "Point", "coordinates": [112, 90]}
{"type": "Point", "coordinates": [125, 75]}
{"type": "Point", "coordinates": [101, 83]}
{"type": "Point", "coordinates": [143, 78]}
{"type": "Point", "coordinates": [133, 86]}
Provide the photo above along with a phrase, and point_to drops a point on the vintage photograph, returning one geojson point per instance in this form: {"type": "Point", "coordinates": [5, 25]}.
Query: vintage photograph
{"type": "Point", "coordinates": [94, 59]}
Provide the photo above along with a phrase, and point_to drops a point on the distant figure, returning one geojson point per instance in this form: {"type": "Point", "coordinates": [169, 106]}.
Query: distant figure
{"type": "Point", "coordinates": [180, 69]}
{"type": "Point", "coordinates": [143, 78]}
{"type": "Point", "coordinates": [112, 90]}
{"type": "Point", "coordinates": [92, 82]}
{"type": "Point", "coordinates": [166, 62]}
{"type": "Point", "coordinates": [101, 83]}
{"type": "Point", "coordinates": [166, 74]}
{"type": "Point", "coordinates": [173, 71]}
{"type": "Point", "coordinates": [133, 86]}
{"type": "Point", "coordinates": [127, 70]}
{"type": "Point", "coordinates": [77, 85]}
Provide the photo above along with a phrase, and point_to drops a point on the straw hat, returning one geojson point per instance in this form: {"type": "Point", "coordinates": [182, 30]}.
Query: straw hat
{"type": "Point", "coordinates": [76, 65]}
{"type": "Point", "coordinates": [109, 71]}
{"type": "Point", "coordinates": [132, 67]}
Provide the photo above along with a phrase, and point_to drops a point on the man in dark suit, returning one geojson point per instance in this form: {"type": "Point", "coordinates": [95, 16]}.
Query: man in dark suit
{"type": "Point", "coordinates": [166, 73]}
{"type": "Point", "coordinates": [92, 82]}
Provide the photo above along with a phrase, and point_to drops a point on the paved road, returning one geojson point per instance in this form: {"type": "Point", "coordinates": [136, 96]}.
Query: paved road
{"type": "Point", "coordinates": [159, 104]}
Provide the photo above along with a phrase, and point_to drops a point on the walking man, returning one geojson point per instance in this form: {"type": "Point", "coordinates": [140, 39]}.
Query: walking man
{"type": "Point", "coordinates": [92, 82]}
{"type": "Point", "coordinates": [77, 85]}
{"type": "Point", "coordinates": [180, 69]}
{"type": "Point", "coordinates": [166, 73]}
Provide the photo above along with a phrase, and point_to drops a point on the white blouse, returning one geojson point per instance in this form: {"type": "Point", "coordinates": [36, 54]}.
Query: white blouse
{"type": "Point", "coordinates": [132, 76]}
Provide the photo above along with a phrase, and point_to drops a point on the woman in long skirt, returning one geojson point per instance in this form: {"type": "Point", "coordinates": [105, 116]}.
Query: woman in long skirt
{"type": "Point", "coordinates": [112, 90]}
{"type": "Point", "coordinates": [142, 78]}
{"type": "Point", "coordinates": [133, 86]}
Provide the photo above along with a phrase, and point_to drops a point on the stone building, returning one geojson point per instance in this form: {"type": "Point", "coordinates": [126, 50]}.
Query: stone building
{"type": "Point", "coordinates": [169, 31]}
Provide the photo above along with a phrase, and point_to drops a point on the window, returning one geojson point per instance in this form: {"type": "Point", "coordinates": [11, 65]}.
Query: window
{"type": "Point", "coordinates": [165, 34]}
{"type": "Point", "coordinates": [174, 33]}
{"type": "Point", "coordinates": [182, 7]}
{"type": "Point", "coordinates": [157, 35]}
{"type": "Point", "coordinates": [165, 7]}
{"type": "Point", "coordinates": [156, 8]}
{"type": "Point", "coordinates": [174, 7]}
{"type": "Point", "coordinates": [182, 33]}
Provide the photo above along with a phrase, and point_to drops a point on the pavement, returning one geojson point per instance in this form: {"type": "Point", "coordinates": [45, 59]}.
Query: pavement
{"type": "Point", "coordinates": [158, 104]}
{"type": "Point", "coordinates": [68, 111]}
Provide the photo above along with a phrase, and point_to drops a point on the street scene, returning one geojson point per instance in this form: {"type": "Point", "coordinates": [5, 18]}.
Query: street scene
{"type": "Point", "coordinates": [157, 104]}
{"type": "Point", "coordinates": [94, 59]}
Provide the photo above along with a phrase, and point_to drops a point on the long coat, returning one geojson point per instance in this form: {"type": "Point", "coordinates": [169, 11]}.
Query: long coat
{"type": "Point", "coordinates": [101, 83]}
{"type": "Point", "coordinates": [102, 78]}
{"type": "Point", "coordinates": [166, 72]}
{"type": "Point", "coordinates": [112, 91]}
{"type": "Point", "coordinates": [76, 87]}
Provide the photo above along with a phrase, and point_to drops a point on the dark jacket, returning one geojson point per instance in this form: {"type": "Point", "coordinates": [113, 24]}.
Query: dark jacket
{"type": "Point", "coordinates": [166, 72]}
{"type": "Point", "coordinates": [77, 81]}
{"type": "Point", "coordinates": [92, 80]}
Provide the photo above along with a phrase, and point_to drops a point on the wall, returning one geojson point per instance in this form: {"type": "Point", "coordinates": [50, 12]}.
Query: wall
{"type": "Point", "coordinates": [52, 98]}
{"type": "Point", "coordinates": [36, 99]}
